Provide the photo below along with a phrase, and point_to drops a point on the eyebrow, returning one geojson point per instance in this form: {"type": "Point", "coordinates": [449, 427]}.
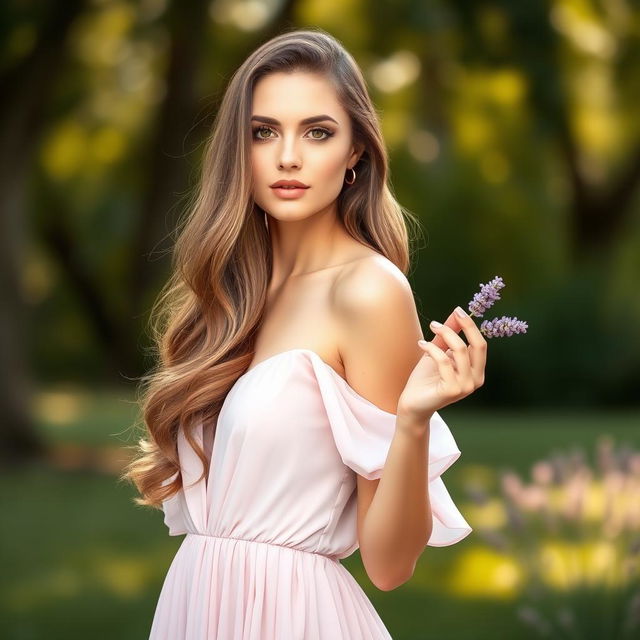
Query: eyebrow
{"type": "Point", "coordinates": [311, 120]}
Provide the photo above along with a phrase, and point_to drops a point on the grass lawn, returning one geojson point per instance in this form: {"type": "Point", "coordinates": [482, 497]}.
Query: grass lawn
{"type": "Point", "coordinates": [80, 560]}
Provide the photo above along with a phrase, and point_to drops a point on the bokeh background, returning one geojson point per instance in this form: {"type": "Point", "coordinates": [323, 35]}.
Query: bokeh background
{"type": "Point", "coordinates": [513, 134]}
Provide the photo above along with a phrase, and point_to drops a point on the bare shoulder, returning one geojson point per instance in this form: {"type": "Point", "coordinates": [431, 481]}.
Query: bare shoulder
{"type": "Point", "coordinates": [378, 329]}
{"type": "Point", "coordinates": [368, 283]}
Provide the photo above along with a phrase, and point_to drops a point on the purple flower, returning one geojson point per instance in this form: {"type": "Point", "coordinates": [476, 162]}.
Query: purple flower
{"type": "Point", "coordinates": [487, 295]}
{"type": "Point", "coordinates": [501, 327]}
{"type": "Point", "coordinates": [496, 327]}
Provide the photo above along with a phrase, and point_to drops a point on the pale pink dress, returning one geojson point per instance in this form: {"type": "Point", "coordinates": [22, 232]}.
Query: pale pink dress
{"type": "Point", "coordinates": [261, 558]}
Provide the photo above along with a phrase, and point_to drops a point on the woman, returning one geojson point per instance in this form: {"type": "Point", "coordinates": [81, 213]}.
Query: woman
{"type": "Point", "coordinates": [290, 334]}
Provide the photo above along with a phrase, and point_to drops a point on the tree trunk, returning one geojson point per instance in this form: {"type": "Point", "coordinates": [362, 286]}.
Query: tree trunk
{"type": "Point", "coordinates": [25, 89]}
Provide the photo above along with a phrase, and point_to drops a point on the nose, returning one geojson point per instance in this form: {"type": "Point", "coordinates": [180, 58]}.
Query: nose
{"type": "Point", "coordinates": [288, 155]}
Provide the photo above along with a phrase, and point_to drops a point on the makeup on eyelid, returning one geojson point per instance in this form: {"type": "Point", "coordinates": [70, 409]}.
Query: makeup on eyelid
{"type": "Point", "coordinates": [304, 132]}
{"type": "Point", "coordinates": [328, 134]}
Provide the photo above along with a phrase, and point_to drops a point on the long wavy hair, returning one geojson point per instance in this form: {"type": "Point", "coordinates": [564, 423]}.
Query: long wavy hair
{"type": "Point", "coordinates": [205, 319]}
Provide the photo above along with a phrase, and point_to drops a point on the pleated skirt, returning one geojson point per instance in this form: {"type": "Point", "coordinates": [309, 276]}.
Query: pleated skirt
{"type": "Point", "coordinates": [221, 588]}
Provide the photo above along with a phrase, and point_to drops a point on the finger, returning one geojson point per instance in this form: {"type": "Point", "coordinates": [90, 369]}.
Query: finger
{"type": "Point", "coordinates": [444, 364]}
{"type": "Point", "coordinates": [449, 354]}
{"type": "Point", "coordinates": [451, 322]}
{"type": "Point", "coordinates": [477, 346]}
{"type": "Point", "coordinates": [459, 350]}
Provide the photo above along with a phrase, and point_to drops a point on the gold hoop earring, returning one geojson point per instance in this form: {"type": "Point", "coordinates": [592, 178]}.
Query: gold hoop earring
{"type": "Point", "coordinates": [354, 176]}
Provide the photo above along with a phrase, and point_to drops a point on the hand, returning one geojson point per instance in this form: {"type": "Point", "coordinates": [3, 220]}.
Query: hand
{"type": "Point", "coordinates": [441, 378]}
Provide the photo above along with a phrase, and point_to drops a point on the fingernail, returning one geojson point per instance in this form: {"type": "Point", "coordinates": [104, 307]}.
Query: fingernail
{"type": "Point", "coordinates": [422, 342]}
{"type": "Point", "coordinates": [435, 324]}
{"type": "Point", "coordinates": [461, 312]}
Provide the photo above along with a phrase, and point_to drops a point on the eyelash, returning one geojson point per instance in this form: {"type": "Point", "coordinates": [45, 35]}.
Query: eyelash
{"type": "Point", "coordinates": [256, 129]}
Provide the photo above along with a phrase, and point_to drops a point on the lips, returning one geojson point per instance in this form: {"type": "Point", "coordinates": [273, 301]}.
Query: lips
{"type": "Point", "coordinates": [289, 189]}
{"type": "Point", "coordinates": [289, 184]}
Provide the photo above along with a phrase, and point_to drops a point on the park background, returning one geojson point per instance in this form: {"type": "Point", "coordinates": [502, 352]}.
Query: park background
{"type": "Point", "coordinates": [514, 136]}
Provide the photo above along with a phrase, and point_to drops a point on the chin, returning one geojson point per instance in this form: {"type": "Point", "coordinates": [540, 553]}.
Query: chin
{"type": "Point", "coordinates": [294, 214]}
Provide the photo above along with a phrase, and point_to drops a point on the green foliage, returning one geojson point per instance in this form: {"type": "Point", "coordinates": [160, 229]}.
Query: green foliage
{"type": "Point", "coordinates": [512, 130]}
{"type": "Point", "coordinates": [82, 560]}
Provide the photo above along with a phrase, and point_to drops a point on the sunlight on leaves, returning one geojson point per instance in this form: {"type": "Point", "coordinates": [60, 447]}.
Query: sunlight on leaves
{"type": "Point", "coordinates": [506, 87]}
{"type": "Point", "coordinates": [246, 15]}
{"type": "Point", "coordinates": [484, 573]}
{"type": "Point", "coordinates": [343, 18]}
{"type": "Point", "coordinates": [565, 565]}
{"type": "Point", "coordinates": [60, 407]}
{"type": "Point", "coordinates": [473, 131]}
{"type": "Point", "coordinates": [490, 515]}
{"type": "Point", "coordinates": [63, 153]}
{"type": "Point", "coordinates": [395, 72]}
{"type": "Point", "coordinates": [575, 530]}
{"type": "Point", "coordinates": [574, 20]}
{"type": "Point", "coordinates": [108, 145]}
{"type": "Point", "coordinates": [395, 126]}
{"type": "Point", "coordinates": [488, 103]}
{"type": "Point", "coordinates": [99, 36]}
{"type": "Point", "coordinates": [423, 145]}
{"type": "Point", "coordinates": [494, 166]}
{"type": "Point", "coordinates": [39, 276]}
{"type": "Point", "coordinates": [122, 575]}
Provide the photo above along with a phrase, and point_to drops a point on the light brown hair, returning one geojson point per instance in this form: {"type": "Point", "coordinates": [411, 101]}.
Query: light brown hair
{"type": "Point", "coordinates": [205, 319]}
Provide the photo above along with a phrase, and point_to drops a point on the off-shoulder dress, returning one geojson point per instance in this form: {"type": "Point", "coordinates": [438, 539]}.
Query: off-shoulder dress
{"type": "Point", "coordinates": [266, 530]}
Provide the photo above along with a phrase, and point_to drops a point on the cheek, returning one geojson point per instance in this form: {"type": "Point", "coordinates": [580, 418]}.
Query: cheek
{"type": "Point", "coordinates": [328, 168]}
{"type": "Point", "coordinates": [258, 162]}
{"type": "Point", "coordinates": [322, 167]}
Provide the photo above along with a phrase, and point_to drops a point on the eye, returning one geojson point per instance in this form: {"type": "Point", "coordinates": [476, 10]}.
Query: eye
{"type": "Point", "coordinates": [257, 129]}
{"type": "Point", "coordinates": [328, 133]}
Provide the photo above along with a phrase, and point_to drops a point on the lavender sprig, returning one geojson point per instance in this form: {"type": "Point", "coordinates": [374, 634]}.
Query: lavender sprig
{"type": "Point", "coordinates": [501, 327]}
{"type": "Point", "coordinates": [496, 327]}
{"type": "Point", "coordinates": [485, 298]}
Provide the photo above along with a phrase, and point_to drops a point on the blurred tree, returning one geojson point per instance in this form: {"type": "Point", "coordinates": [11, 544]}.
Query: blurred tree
{"type": "Point", "coordinates": [560, 45]}
{"type": "Point", "coordinates": [28, 81]}
{"type": "Point", "coordinates": [512, 128]}
{"type": "Point", "coordinates": [166, 171]}
{"type": "Point", "coordinates": [26, 87]}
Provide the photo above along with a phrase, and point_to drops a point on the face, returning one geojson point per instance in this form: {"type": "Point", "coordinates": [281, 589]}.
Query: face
{"type": "Point", "coordinates": [284, 147]}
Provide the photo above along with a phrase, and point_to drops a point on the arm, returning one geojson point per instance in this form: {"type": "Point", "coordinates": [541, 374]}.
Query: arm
{"type": "Point", "coordinates": [378, 345]}
{"type": "Point", "coordinates": [384, 363]}
{"type": "Point", "coordinates": [399, 521]}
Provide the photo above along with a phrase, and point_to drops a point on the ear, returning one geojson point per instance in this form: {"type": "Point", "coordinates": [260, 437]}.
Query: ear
{"type": "Point", "coordinates": [357, 151]}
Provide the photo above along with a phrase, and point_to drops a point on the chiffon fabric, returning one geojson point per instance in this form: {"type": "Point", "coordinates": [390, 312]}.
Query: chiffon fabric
{"type": "Point", "coordinates": [266, 531]}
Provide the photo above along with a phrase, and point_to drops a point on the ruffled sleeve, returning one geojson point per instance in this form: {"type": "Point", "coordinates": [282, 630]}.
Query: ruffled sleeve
{"type": "Point", "coordinates": [172, 509]}
{"type": "Point", "coordinates": [363, 433]}
{"type": "Point", "coordinates": [186, 510]}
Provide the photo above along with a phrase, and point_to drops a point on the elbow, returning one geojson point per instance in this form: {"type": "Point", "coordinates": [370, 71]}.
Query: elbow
{"type": "Point", "coordinates": [390, 580]}
{"type": "Point", "coordinates": [391, 574]}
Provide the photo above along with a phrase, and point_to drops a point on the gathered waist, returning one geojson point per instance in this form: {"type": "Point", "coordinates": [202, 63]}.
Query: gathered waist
{"type": "Point", "coordinates": [334, 557]}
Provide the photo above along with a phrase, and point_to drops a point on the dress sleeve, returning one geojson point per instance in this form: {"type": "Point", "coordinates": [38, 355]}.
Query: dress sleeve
{"type": "Point", "coordinates": [172, 511]}
{"type": "Point", "coordinates": [363, 433]}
